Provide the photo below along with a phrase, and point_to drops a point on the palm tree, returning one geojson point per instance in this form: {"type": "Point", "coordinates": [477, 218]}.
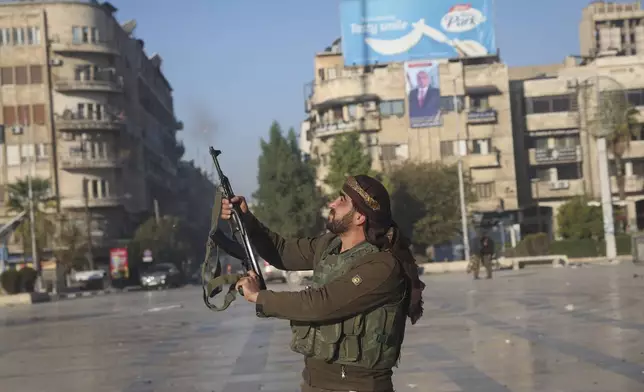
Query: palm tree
{"type": "Point", "coordinates": [619, 142]}
{"type": "Point", "coordinates": [19, 201]}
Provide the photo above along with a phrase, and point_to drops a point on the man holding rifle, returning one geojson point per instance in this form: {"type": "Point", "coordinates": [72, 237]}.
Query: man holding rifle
{"type": "Point", "coordinates": [350, 323]}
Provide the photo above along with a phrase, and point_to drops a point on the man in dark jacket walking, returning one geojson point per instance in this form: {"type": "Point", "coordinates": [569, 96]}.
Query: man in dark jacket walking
{"type": "Point", "coordinates": [484, 253]}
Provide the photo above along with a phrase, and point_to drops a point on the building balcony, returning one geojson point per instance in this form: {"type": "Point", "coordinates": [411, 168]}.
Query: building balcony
{"type": "Point", "coordinates": [75, 162]}
{"type": "Point", "coordinates": [366, 125]}
{"type": "Point", "coordinates": [104, 202]}
{"type": "Point", "coordinates": [90, 124]}
{"type": "Point", "coordinates": [481, 116]}
{"type": "Point", "coordinates": [488, 78]}
{"type": "Point", "coordinates": [85, 47]}
{"type": "Point", "coordinates": [481, 160]}
{"type": "Point", "coordinates": [635, 150]}
{"type": "Point", "coordinates": [632, 184]}
{"type": "Point", "coordinates": [551, 156]}
{"type": "Point", "coordinates": [557, 189]}
{"type": "Point", "coordinates": [559, 120]}
{"type": "Point", "coordinates": [103, 86]}
{"type": "Point", "coordinates": [340, 87]}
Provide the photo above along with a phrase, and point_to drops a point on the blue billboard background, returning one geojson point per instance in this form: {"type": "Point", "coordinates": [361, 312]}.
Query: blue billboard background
{"type": "Point", "coordinates": [384, 31]}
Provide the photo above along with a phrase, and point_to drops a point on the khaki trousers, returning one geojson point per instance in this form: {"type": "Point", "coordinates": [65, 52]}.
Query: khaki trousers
{"type": "Point", "coordinates": [486, 260]}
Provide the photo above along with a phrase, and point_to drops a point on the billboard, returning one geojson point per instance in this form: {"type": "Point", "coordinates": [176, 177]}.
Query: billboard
{"type": "Point", "coordinates": [119, 268]}
{"type": "Point", "coordinates": [423, 93]}
{"type": "Point", "coordinates": [385, 31]}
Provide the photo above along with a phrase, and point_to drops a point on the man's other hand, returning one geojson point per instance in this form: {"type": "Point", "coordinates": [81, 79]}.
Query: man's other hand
{"type": "Point", "coordinates": [250, 285]}
{"type": "Point", "coordinates": [227, 206]}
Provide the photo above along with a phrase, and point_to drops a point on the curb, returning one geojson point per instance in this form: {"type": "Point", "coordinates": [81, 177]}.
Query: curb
{"type": "Point", "coordinates": [88, 294]}
{"type": "Point", "coordinates": [37, 298]}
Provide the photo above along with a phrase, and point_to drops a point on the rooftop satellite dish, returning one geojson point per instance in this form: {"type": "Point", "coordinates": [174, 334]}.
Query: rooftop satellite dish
{"type": "Point", "coordinates": [129, 26]}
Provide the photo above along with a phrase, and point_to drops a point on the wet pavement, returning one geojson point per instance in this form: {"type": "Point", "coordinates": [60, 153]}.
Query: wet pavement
{"type": "Point", "coordinates": [538, 329]}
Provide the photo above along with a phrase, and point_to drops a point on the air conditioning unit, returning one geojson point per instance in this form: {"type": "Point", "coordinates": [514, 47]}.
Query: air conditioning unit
{"type": "Point", "coordinates": [55, 62]}
{"type": "Point", "coordinates": [560, 184]}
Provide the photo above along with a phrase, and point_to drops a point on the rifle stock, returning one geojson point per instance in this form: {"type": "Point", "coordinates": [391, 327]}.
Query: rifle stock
{"type": "Point", "coordinates": [242, 249]}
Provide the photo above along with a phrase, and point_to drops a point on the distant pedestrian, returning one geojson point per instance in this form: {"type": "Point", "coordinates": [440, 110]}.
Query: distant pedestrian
{"type": "Point", "coordinates": [483, 255]}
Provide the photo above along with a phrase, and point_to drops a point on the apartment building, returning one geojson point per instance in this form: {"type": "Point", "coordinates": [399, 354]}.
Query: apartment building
{"type": "Point", "coordinates": [80, 95]}
{"type": "Point", "coordinates": [373, 101]}
{"type": "Point", "coordinates": [555, 115]}
{"type": "Point", "coordinates": [477, 128]}
{"type": "Point", "coordinates": [609, 26]}
{"type": "Point", "coordinates": [367, 100]}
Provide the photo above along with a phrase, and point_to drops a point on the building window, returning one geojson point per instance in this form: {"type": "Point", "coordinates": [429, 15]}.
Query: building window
{"type": "Point", "coordinates": [82, 72]}
{"type": "Point", "coordinates": [484, 190]}
{"type": "Point", "coordinates": [9, 115]}
{"type": "Point", "coordinates": [35, 74]}
{"type": "Point", "coordinates": [636, 97]}
{"type": "Point", "coordinates": [21, 75]}
{"type": "Point", "coordinates": [353, 111]}
{"type": "Point", "coordinates": [5, 37]}
{"type": "Point", "coordinates": [563, 142]}
{"type": "Point", "coordinates": [447, 148]}
{"type": "Point", "coordinates": [39, 114]}
{"type": "Point", "coordinates": [450, 148]}
{"type": "Point", "coordinates": [24, 117]}
{"type": "Point", "coordinates": [388, 152]}
{"type": "Point", "coordinates": [392, 108]}
{"type": "Point", "coordinates": [568, 172]}
{"type": "Point", "coordinates": [337, 114]}
{"type": "Point", "coordinates": [77, 36]}
{"type": "Point", "coordinates": [33, 35]}
{"type": "Point", "coordinates": [447, 103]}
{"type": "Point", "coordinates": [6, 76]}
{"type": "Point", "coordinates": [482, 146]}
{"type": "Point", "coordinates": [479, 102]}
{"type": "Point", "coordinates": [18, 36]}
{"type": "Point", "coordinates": [96, 38]}
{"type": "Point", "coordinates": [551, 104]}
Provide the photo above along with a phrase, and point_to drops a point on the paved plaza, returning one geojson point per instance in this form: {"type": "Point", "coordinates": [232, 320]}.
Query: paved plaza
{"type": "Point", "coordinates": [537, 329]}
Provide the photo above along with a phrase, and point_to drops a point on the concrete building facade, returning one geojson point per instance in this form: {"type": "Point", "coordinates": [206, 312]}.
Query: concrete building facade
{"type": "Point", "coordinates": [607, 26]}
{"type": "Point", "coordinates": [373, 101]}
{"type": "Point", "coordinates": [370, 101]}
{"type": "Point", "coordinates": [557, 114]}
{"type": "Point", "coordinates": [79, 93]}
{"type": "Point", "coordinates": [479, 131]}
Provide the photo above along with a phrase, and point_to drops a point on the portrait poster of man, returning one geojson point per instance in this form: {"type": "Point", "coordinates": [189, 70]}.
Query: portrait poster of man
{"type": "Point", "coordinates": [423, 93]}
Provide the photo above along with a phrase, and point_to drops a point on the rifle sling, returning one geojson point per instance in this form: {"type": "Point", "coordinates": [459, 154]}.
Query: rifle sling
{"type": "Point", "coordinates": [217, 239]}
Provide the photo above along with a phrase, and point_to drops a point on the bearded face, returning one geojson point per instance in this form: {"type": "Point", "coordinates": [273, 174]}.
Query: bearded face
{"type": "Point", "coordinates": [339, 224]}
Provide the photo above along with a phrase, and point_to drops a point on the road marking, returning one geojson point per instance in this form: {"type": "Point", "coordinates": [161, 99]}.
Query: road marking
{"type": "Point", "coordinates": [160, 308]}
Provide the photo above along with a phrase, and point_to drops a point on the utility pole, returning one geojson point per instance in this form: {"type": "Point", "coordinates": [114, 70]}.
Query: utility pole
{"type": "Point", "coordinates": [604, 180]}
{"type": "Point", "coordinates": [156, 211]}
{"type": "Point", "coordinates": [32, 215]}
{"type": "Point", "coordinates": [461, 186]}
{"type": "Point", "coordinates": [88, 224]}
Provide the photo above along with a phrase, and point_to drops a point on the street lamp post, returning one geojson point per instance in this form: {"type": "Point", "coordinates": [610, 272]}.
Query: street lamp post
{"type": "Point", "coordinates": [461, 185]}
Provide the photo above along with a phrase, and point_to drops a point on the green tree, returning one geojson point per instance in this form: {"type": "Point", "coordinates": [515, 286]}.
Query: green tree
{"type": "Point", "coordinates": [71, 244]}
{"type": "Point", "coordinates": [577, 220]}
{"type": "Point", "coordinates": [619, 118]}
{"type": "Point", "coordinates": [287, 199]}
{"type": "Point", "coordinates": [425, 201]}
{"type": "Point", "coordinates": [348, 157]}
{"type": "Point", "coordinates": [19, 201]}
{"type": "Point", "coordinates": [165, 238]}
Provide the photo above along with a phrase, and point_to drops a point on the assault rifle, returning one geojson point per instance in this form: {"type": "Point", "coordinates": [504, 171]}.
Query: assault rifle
{"type": "Point", "coordinates": [240, 247]}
